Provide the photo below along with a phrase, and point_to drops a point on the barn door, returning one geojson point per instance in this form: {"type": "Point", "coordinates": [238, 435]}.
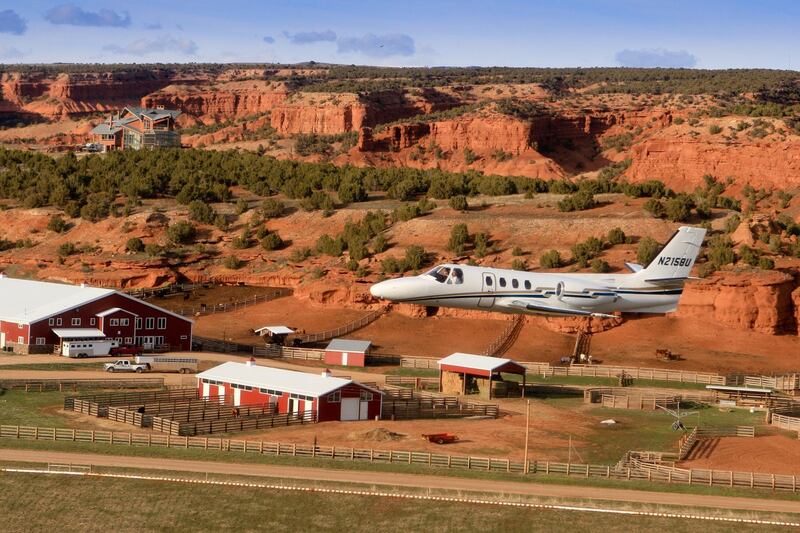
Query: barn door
{"type": "Point", "coordinates": [2, 340]}
{"type": "Point", "coordinates": [489, 287]}
{"type": "Point", "coordinates": [206, 390]}
{"type": "Point", "coordinates": [350, 409]}
{"type": "Point", "coordinates": [344, 359]}
{"type": "Point", "coordinates": [221, 393]}
{"type": "Point", "coordinates": [237, 396]}
{"type": "Point", "coordinates": [363, 413]}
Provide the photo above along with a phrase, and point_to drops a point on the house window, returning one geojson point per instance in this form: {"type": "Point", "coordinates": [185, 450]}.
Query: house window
{"type": "Point", "coordinates": [335, 397]}
{"type": "Point", "coordinates": [124, 321]}
{"type": "Point", "coordinates": [149, 323]}
{"type": "Point", "coordinates": [366, 396]}
{"type": "Point", "coordinates": [51, 322]}
{"type": "Point", "coordinates": [40, 341]}
{"type": "Point", "coordinates": [162, 323]}
{"type": "Point", "coordinates": [58, 321]}
{"type": "Point", "coordinates": [76, 321]}
{"type": "Point", "coordinates": [92, 321]}
{"type": "Point", "coordinates": [113, 322]}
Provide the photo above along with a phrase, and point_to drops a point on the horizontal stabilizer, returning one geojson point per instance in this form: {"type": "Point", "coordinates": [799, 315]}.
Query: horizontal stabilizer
{"type": "Point", "coordinates": [633, 267]}
{"type": "Point", "coordinates": [546, 309]}
{"type": "Point", "coordinates": [667, 281]}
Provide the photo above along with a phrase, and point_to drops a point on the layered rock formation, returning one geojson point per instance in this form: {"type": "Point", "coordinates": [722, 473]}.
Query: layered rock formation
{"type": "Point", "coordinates": [766, 302]}
{"type": "Point", "coordinates": [682, 163]}
{"type": "Point", "coordinates": [223, 101]}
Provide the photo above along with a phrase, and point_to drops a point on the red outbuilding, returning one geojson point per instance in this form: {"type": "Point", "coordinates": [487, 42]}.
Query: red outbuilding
{"type": "Point", "coordinates": [463, 373]}
{"type": "Point", "coordinates": [346, 352]}
{"type": "Point", "coordinates": [328, 397]}
{"type": "Point", "coordinates": [32, 313]}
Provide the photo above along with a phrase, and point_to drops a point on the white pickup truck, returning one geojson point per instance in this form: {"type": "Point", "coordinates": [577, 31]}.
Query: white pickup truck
{"type": "Point", "coordinates": [123, 365]}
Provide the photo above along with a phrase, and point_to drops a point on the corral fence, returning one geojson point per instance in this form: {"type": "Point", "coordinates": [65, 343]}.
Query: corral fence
{"type": "Point", "coordinates": [203, 310]}
{"type": "Point", "coordinates": [627, 398]}
{"type": "Point", "coordinates": [207, 344]}
{"type": "Point", "coordinates": [309, 338]}
{"type": "Point", "coordinates": [431, 384]}
{"type": "Point", "coordinates": [789, 383]}
{"type": "Point", "coordinates": [642, 471]}
{"type": "Point", "coordinates": [642, 403]}
{"type": "Point", "coordinates": [129, 398]}
{"type": "Point", "coordinates": [547, 370]}
{"type": "Point", "coordinates": [44, 385]}
{"type": "Point", "coordinates": [143, 412]}
{"type": "Point", "coordinates": [786, 418]}
{"type": "Point", "coordinates": [265, 420]}
{"type": "Point", "coordinates": [317, 354]}
{"type": "Point", "coordinates": [403, 404]}
{"type": "Point", "coordinates": [734, 431]}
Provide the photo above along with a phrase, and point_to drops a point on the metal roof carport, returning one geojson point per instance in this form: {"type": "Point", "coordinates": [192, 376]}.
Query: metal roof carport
{"type": "Point", "coordinates": [481, 366]}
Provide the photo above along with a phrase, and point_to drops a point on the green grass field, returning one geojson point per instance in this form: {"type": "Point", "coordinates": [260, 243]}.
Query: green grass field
{"type": "Point", "coordinates": [39, 502]}
{"type": "Point", "coordinates": [20, 408]}
{"type": "Point", "coordinates": [54, 367]}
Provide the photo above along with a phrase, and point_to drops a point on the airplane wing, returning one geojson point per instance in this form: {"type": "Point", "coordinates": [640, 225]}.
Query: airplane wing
{"type": "Point", "coordinates": [539, 308]}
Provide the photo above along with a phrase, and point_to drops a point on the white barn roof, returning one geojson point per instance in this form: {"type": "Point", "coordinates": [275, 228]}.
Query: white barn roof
{"type": "Point", "coordinates": [266, 377]}
{"type": "Point", "coordinates": [25, 301]}
{"type": "Point", "coordinates": [348, 345]}
{"type": "Point", "coordinates": [478, 362]}
{"type": "Point", "coordinates": [276, 330]}
{"type": "Point", "coordinates": [79, 333]}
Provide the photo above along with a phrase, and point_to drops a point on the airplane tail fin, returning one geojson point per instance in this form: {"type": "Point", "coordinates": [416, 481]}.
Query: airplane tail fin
{"type": "Point", "coordinates": [676, 258]}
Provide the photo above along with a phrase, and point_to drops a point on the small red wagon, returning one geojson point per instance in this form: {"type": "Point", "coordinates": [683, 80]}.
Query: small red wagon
{"type": "Point", "coordinates": [440, 438]}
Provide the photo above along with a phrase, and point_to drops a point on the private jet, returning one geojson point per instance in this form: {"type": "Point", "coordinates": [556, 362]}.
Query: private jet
{"type": "Point", "coordinates": [655, 288]}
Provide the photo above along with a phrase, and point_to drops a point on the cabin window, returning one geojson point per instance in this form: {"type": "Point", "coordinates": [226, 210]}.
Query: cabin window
{"type": "Point", "coordinates": [456, 277]}
{"type": "Point", "coordinates": [440, 274]}
{"type": "Point", "coordinates": [515, 283]}
{"type": "Point", "coordinates": [502, 282]}
{"type": "Point", "coordinates": [527, 285]}
{"type": "Point", "coordinates": [489, 281]}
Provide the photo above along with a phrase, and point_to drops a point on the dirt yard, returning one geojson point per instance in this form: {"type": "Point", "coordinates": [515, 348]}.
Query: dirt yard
{"type": "Point", "coordinates": [773, 454]}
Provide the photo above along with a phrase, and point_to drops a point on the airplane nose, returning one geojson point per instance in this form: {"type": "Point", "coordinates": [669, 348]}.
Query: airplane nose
{"type": "Point", "coordinates": [393, 289]}
{"type": "Point", "coordinates": [378, 290]}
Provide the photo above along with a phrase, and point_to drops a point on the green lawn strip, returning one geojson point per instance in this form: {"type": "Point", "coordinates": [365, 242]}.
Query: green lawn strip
{"type": "Point", "coordinates": [413, 372]}
{"type": "Point", "coordinates": [53, 367]}
{"type": "Point", "coordinates": [610, 382]}
{"type": "Point", "coordinates": [414, 491]}
{"type": "Point", "coordinates": [48, 503]}
{"type": "Point", "coordinates": [341, 464]}
{"type": "Point", "coordinates": [20, 408]}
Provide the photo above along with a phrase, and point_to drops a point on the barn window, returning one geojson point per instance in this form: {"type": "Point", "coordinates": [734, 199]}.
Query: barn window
{"type": "Point", "coordinates": [335, 397]}
{"type": "Point", "coordinates": [20, 340]}
{"type": "Point", "coordinates": [128, 340]}
{"type": "Point", "coordinates": [162, 323]}
{"type": "Point", "coordinates": [366, 396]}
{"type": "Point", "coordinates": [138, 323]}
{"type": "Point", "coordinates": [76, 321]}
{"type": "Point", "coordinates": [527, 285]}
{"type": "Point", "coordinates": [149, 323]}
{"type": "Point", "coordinates": [58, 321]}
{"type": "Point", "coordinates": [184, 337]}
{"type": "Point", "coordinates": [92, 321]}
{"type": "Point", "coordinates": [51, 322]}
{"type": "Point", "coordinates": [20, 326]}
{"type": "Point", "coordinates": [515, 283]}
{"type": "Point", "coordinates": [123, 321]}
{"type": "Point", "coordinates": [113, 322]}
{"type": "Point", "coordinates": [40, 341]}
{"type": "Point", "coordinates": [502, 282]}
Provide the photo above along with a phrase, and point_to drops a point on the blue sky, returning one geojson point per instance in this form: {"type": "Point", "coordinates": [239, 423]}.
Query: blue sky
{"type": "Point", "coordinates": [555, 33]}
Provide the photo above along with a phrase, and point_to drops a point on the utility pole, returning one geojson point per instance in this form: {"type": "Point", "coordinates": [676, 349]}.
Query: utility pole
{"type": "Point", "coordinates": [527, 433]}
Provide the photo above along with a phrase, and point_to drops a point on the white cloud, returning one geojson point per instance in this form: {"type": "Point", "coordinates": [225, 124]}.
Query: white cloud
{"type": "Point", "coordinates": [371, 45]}
{"type": "Point", "coordinates": [656, 57]}
{"type": "Point", "coordinates": [164, 43]}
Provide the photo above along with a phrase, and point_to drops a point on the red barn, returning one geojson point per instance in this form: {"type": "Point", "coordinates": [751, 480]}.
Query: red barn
{"type": "Point", "coordinates": [33, 313]}
{"type": "Point", "coordinates": [346, 352]}
{"type": "Point", "coordinates": [292, 392]}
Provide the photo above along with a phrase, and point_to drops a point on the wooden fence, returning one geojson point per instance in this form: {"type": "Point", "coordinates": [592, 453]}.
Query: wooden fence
{"type": "Point", "coordinates": [786, 382]}
{"type": "Point", "coordinates": [130, 398]}
{"type": "Point", "coordinates": [786, 419]}
{"type": "Point", "coordinates": [229, 425]}
{"type": "Point", "coordinates": [507, 338]}
{"type": "Point", "coordinates": [735, 431]}
{"type": "Point", "coordinates": [207, 344]}
{"type": "Point", "coordinates": [599, 371]}
{"type": "Point", "coordinates": [203, 310]}
{"type": "Point", "coordinates": [641, 471]}
{"type": "Point", "coordinates": [640, 402]}
{"type": "Point", "coordinates": [42, 385]}
{"type": "Point", "coordinates": [414, 408]}
{"type": "Point", "coordinates": [431, 384]}
{"type": "Point", "coordinates": [342, 330]}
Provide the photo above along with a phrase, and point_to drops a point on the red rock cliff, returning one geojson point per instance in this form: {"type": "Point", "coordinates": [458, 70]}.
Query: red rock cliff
{"type": "Point", "coordinates": [221, 102]}
{"type": "Point", "coordinates": [758, 301]}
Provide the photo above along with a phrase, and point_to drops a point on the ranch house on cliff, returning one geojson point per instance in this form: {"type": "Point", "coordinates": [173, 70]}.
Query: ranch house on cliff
{"type": "Point", "coordinates": [138, 127]}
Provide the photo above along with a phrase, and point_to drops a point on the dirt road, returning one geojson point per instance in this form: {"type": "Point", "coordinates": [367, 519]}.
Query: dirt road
{"type": "Point", "coordinates": [406, 480]}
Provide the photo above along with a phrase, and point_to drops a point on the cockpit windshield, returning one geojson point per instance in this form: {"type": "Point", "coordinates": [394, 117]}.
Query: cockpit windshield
{"type": "Point", "coordinates": [446, 274]}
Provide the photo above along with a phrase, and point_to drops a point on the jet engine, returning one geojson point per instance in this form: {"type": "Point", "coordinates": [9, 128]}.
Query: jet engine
{"type": "Point", "coordinates": [583, 296]}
